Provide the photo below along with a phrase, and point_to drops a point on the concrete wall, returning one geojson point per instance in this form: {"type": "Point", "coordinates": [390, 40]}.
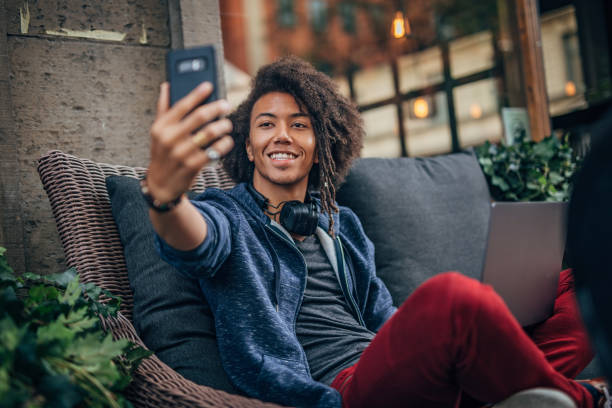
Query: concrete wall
{"type": "Point", "coordinates": [82, 77]}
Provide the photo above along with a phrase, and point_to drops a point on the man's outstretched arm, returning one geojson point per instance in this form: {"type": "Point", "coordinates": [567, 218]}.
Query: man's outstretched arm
{"type": "Point", "coordinates": [179, 136]}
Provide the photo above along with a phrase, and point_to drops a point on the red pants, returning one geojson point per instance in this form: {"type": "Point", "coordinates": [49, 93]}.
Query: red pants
{"type": "Point", "coordinates": [456, 336]}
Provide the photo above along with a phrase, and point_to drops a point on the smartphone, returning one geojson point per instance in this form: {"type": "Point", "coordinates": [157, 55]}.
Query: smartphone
{"type": "Point", "coordinates": [188, 68]}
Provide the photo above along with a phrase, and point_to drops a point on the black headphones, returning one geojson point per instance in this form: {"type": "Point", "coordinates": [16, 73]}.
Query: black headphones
{"type": "Point", "coordinates": [296, 217]}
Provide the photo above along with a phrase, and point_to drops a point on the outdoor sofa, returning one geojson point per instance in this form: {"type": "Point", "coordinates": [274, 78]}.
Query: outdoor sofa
{"type": "Point", "coordinates": [424, 215]}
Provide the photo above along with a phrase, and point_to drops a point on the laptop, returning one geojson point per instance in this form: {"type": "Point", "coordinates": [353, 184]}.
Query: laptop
{"type": "Point", "coordinates": [524, 256]}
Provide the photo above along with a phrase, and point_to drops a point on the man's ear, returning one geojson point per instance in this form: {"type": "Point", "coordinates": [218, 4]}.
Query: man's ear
{"type": "Point", "coordinates": [249, 149]}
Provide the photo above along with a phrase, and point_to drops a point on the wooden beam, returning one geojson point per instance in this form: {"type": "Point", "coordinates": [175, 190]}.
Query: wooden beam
{"type": "Point", "coordinates": [533, 68]}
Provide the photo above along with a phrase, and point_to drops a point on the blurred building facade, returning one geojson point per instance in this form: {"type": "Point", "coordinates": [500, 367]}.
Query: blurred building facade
{"type": "Point", "coordinates": [446, 86]}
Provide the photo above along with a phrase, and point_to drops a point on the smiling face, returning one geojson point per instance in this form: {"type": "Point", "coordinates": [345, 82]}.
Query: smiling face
{"type": "Point", "coordinates": [281, 144]}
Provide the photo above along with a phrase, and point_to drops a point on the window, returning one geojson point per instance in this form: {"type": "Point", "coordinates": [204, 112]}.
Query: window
{"type": "Point", "coordinates": [347, 14]}
{"type": "Point", "coordinates": [373, 84]}
{"type": "Point", "coordinates": [420, 69]}
{"type": "Point", "coordinates": [381, 133]}
{"type": "Point", "coordinates": [318, 15]}
{"type": "Point", "coordinates": [472, 53]}
{"type": "Point", "coordinates": [286, 13]}
{"type": "Point", "coordinates": [477, 111]}
{"type": "Point", "coordinates": [572, 57]}
{"type": "Point", "coordinates": [562, 62]}
{"type": "Point", "coordinates": [430, 134]}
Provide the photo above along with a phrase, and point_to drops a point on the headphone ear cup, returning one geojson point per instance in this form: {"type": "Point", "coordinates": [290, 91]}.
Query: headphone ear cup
{"type": "Point", "coordinates": [300, 218]}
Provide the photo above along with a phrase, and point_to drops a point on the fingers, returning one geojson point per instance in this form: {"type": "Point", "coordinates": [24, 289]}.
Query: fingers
{"type": "Point", "coordinates": [204, 138]}
{"type": "Point", "coordinates": [214, 152]}
{"type": "Point", "coordinates": [222, 146]}
{"type": "Point", "coordinates": [163, 101]}
{"type": "Point", "coordinates": [202, 115]}
{"type": "Point", "coordinates": [187, 103]}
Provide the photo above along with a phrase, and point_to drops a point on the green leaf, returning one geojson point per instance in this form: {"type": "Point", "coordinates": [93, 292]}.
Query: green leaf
{"type": "Point", "coordinates": [5, 269]}
{"type": "Point", "coordinates": [136, 354]}
{"type": "Point", "coordinates": [53, 351]}
{"type": "Point", "coordinates": [555, 177]}
{"type": "Point", "coordinates": [58, 279]}
{"type": "Point", "coordinates": [533, 186]}
{"type": "Point", "coordinates": [41, 293]}
{"type": "Point", "coordinates": [541, 181]}
{"type": "Point", "coordinates": [55, 332]}
{"type": "Point", "coordinates": [78, 321]}
{"type": "Point", "coordinates": [485, 161]}
{"type": "Point", "coordinates": [63, 279]}
{"type": "Point", "coordinates": [500, 182]}
{"type": "Point", "coordinates": [72, 293]}
{"type": "Point", "coordinates": [10, 335]}
{"type": "Point", "coordinates": [5, 378]}
{"type": "Point", "coordinates": [525, 170]}
{"type": "Point", "coordinates": [544, 151]}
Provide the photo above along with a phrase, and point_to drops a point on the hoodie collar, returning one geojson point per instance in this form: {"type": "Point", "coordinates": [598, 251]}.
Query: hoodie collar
{"type": "Point", "coordinates": [242, 195]}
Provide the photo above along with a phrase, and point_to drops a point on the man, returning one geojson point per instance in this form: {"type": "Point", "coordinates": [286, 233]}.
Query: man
{"type": "Point", "coordinates": [301, 317]}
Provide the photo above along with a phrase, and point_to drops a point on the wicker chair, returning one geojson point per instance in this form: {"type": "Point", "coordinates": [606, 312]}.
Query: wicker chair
{"type": "Point", "coordinates": [77, 192]}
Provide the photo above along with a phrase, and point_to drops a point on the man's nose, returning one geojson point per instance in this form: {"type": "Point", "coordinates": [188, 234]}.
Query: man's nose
{"type": "Point", "coordinates": [282, 136]}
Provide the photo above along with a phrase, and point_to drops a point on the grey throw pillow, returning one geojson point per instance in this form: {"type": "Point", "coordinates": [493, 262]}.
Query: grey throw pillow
{"type": "Point", "coordinates": [170, 312]}
{"type": "Point", "coordinates": [424, 216]}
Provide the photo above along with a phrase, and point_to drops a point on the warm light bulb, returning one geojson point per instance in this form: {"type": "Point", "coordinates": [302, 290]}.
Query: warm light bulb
{"type": "Point", "coordinates": [570, 88]}
{"type": "Point", "coordinates": [407, 29]}
{"type": "Point", "coordinates": [420, 108]}
{"type": "Point", "coordinates": [398, 28]}
{"type": "Point", "coordinates": [475, 111]}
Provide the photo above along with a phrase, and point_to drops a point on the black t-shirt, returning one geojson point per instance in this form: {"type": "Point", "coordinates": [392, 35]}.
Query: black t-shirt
{"type": "Point", "coordinates": [331, 336]}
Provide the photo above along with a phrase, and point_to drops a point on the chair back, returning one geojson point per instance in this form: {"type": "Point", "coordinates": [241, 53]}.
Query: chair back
{"type": "Point", "coordinates": [82, 210]}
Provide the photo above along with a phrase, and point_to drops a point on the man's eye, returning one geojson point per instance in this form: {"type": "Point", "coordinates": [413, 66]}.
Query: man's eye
{"type": "Point", "coordinates": [265, 124]}
{"type": "Point", "coordinates": [300, 125]}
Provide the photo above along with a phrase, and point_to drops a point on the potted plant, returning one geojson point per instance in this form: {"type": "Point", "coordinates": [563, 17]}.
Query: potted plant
{"type": "Point", "coordinates": [53, 350]}
{"type": "Point", "coordinates": [529, 170]}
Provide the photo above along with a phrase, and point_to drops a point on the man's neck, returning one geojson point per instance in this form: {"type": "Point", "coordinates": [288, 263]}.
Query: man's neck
{"type": "Point", "coordinates": [277, 194]}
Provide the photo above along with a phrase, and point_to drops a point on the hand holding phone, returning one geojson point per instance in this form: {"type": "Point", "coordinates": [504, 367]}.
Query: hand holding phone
{"type": "Point", "coordinates": [187, 133]}
{"type": "Point", "coordinates": [186, 69]}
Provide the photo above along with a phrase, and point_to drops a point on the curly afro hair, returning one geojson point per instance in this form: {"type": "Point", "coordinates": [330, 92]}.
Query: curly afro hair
{"type": "Point", "coordinates": [337, 124]}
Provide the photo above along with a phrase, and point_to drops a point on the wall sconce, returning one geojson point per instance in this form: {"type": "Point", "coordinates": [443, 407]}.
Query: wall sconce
{"type": "Point", "coordinates": [400, 27]}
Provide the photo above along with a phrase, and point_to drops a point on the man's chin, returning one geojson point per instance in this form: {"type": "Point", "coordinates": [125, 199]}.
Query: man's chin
{"type": "Point", "coordinates": [286, 181]}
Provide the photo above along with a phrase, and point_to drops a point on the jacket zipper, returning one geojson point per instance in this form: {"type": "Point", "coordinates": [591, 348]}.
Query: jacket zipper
{"type": "Point", "coordinates": [344, 273]}
{"type": "Point", "coordinates": [348, 291]}
{"type": "Point", "coordinates": [284, 238]}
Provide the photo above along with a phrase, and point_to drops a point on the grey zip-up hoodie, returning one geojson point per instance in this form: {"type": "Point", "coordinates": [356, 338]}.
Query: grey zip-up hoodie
{"type": "Point", "coordinates": [254, 277]}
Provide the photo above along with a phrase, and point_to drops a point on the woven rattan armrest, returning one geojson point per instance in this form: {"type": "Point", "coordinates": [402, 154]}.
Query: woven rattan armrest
{"type": "Point", "coordinates": [81, 207]}
{"type": "Point", "coordinates": [164, 387]}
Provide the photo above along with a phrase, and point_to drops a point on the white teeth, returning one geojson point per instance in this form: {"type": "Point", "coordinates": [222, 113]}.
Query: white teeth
{"type": "Point", "coordinates": [282, 156]}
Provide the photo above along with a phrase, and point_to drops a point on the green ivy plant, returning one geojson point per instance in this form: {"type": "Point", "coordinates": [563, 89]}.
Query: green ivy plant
{"type": "Point", "coordinates": [53, 350]}
{"type": "Point", "coordinates": [529, 170]}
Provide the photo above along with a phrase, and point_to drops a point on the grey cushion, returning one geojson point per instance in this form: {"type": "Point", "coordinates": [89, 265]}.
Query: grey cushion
{"type": "Point", "coordinates": [538, 398]}
{"type": "Point", "coordinates": [170, 313]}
{"type": "Point", "coordinates": [424, 216]}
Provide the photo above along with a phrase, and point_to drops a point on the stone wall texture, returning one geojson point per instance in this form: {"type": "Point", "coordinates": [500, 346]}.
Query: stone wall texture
{"type": "Point", "coordinates": [82, 77]}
